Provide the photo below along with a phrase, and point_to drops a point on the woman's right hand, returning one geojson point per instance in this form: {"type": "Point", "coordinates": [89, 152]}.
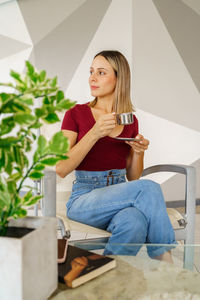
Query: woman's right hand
{"type": "Point", "coordinates": [104, 125]}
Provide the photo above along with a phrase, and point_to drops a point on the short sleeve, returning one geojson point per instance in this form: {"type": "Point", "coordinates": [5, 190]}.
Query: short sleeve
{"type": "Point", "coordinates": [69, 122]}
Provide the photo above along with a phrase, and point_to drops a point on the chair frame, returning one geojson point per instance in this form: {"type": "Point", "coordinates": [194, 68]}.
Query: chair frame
{"type": "Point", "coordinates": [185, 233]}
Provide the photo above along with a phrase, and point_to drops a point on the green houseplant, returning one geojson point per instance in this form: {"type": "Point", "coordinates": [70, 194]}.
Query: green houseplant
{"type": "Point", "coordinates": [32, 99]}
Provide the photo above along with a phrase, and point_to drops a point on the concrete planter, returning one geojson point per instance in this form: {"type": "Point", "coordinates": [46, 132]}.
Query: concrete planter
{"type": "Point", "coordinates": [28, 265]}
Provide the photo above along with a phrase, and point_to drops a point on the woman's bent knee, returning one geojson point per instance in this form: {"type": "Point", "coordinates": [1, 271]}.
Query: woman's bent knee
{"type": "Point", "coordinates": [129, 218]}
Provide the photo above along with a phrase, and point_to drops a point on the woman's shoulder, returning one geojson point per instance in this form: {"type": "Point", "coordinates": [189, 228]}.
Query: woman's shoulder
{"type": "Point", "coordinates": [74, 116]}
{"type": "Point", "coordinates": [79, 107]}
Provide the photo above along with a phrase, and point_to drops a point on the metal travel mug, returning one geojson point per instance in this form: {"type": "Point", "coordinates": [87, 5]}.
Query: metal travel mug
{"type": "Point", "coordinates": [124, 118]}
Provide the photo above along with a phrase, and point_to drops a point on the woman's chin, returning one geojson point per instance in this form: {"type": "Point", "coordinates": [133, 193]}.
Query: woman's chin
{"type": "Point", "coordinates": [94, 93]}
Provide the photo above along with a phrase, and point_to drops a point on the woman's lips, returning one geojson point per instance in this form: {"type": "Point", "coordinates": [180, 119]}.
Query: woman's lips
{"type": "Point", "coordinates": [93, 87]}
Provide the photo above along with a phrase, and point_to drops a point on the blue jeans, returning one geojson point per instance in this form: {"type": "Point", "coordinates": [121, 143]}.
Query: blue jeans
{"type": "Point", "coordinates": [134, 211]}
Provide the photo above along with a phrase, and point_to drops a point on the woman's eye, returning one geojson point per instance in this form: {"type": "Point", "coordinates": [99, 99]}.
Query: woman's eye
{"type": "Point", "coordinates": [101, 73]}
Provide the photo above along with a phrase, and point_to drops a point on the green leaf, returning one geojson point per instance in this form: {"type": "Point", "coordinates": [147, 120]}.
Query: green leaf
{"type": "Point", "coordinates": [8, 164]}
{"type": "Point", "coordinates": [51, 161]}
{"type": "Point", "coordinates": [34, 200]}
{"type": "Point", "coordinates": [54, 82]}
{"type": "Point", "coordinates": [27, 145]}
{"type": "Point", "coordinates": [25, 161]}
{"type": "Point", "coordinates": [35, 175]}
{"type": "Point", "coordinates": [17, 200]}
{"type": "Point", "coordinates": [2, 158]}
{"type": "Point", "coordinates": [15, 104]}
{"type": "Point", "coordinates": [19, 106]}
{"type": "Point", "coordinates": [19, 213]}
{"type": "Point", "coordinates": [59, 144]}
{"type": "Point", "coordinates": [23, 118]}
{"type": "Point", "coordinates": [40, 112]}
{"type": "Point", "coordinates": [17, 154]}
{"type": "Point", "coordinates": [33, 135]}
{"type": "Point", "coordinates": [28, 101]}
{"type": "Point", "coordinates": [62, 157]}
{"type": "Point", "coordinates": [5, 197]}
{"type": "Point", "coordinates": [36, 125]}
{"type": "Point", "coordinates": [42, 143]}
{"type": "Point", "coordinates": [27, 197]}
{"type": "Point", "coordinates": [52, 99]}
{"type": "Point", "coordinates": [30, 67]}
{"type": "Point", "coordinates": [52, 118]}
{"type": "Point", "coordinates": [31, 72]}
{"type": "Point", "coordinates": [16, 76]}
{"type": "Point", "coordinates": [7, 142]}
{"type": "Point", "coordinates": [42, 75]}
{"type": "Point", "coordinates": [16, 176]}
{"type": "Point", "coordinates": [7, 125]}
{"type": "Point", "coordinates": [36, 157]}
{"type": "Point", "coordinates": [60, 96]}
{"type": "Point", "coordinates": [4, 97]}
{"type": "Point", "coordinates": [46, 100]}
{"type": "Point", "coordinates": [39, 167]}
{"type": "Point", "coordinates": [11, 186]}
{"type": "Point", "coordinates": [65, 104]}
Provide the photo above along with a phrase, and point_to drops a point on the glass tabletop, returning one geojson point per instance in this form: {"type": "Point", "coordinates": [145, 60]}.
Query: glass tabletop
{"type": "Point", "coordinates": [184, 256]}
{"type": "Point", "coordinates": [140, 277]}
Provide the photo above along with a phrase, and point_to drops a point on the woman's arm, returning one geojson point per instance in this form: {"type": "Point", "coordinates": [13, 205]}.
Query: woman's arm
{"type": "Point", "coordinates": [135, 159]}
{"type": "Point", "coordinates": [76, 153]}
{"type": "Point", "coordinates": [103, 126]}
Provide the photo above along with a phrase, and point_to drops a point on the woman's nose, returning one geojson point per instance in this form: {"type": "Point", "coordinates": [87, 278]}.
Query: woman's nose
{"type": "Point", "coordinates": [93, 77]}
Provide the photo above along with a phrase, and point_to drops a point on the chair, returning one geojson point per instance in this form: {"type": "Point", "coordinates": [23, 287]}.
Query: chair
{"type": "Point", "coordinates": [183, 224]}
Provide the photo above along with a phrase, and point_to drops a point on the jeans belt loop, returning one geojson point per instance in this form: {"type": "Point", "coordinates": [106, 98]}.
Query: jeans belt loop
{"type": "Point", "coordinates": [110, 175]}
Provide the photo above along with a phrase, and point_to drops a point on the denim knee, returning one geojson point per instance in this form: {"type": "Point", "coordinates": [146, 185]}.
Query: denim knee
{"type": "Point", "coordinates": [150, 196]}
{"type": "Point", "coordinates": [151, 187]}
{"type": "Point", "coordinates": [131, 223]}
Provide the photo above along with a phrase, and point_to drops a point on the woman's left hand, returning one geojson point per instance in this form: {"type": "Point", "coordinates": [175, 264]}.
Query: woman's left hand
{"type": "Point", "coordinates": [140, 146]}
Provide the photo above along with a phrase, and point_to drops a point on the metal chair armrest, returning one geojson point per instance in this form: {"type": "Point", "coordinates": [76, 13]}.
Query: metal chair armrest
{"type": "Point", "coordinates": [190, 191]}
{"type": "Point", "coordinates": [182, 169]}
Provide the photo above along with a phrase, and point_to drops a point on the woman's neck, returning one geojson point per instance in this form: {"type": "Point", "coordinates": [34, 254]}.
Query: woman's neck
{"type": "Point", "coordinates": [104, 104]}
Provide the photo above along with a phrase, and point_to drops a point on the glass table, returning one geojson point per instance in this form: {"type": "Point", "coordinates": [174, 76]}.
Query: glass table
{"type": "Point", "coordinates": [140, 277]}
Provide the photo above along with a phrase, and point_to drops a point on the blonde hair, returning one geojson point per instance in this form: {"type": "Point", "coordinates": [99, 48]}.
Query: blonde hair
{"type": "Point", "coordinates": [122, 102]}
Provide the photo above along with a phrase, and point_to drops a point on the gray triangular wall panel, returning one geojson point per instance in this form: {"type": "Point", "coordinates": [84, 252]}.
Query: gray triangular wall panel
{"type": "Point", "coordinates": [66, 44]}
{"type": "Point", "coordinates": [10, 46]}
{"type": "Point", "coordinates": [41, 17]}
{"type": "Point", "coordinates": [194, 4]}
{"type": "Point", "coordinates": [183, 25]}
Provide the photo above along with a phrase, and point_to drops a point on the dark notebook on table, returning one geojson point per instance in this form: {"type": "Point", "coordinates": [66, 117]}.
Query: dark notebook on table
{"type": "Point", "coordinates": [81, 266]}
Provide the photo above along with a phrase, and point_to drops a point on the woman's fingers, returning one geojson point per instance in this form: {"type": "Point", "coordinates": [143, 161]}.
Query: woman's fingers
{"type": "Point", "coordinates": [140, 146]}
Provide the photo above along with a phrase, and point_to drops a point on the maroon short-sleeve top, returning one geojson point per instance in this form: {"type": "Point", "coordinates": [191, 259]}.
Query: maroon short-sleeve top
{"type": "Point", "coordinates": [107, 153]}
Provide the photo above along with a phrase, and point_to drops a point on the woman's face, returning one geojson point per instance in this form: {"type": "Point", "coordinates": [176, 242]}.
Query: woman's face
{"type": "Point", "coordinates": [102, 78]}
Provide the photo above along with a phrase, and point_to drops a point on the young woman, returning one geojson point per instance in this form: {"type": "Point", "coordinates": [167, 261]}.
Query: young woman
{"type": "Point", "coordinates": [133, 211]}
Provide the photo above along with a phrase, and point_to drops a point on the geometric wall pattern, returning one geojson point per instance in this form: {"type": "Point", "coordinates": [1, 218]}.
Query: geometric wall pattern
{"type": "Point", "coordinates": [161, 40]}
